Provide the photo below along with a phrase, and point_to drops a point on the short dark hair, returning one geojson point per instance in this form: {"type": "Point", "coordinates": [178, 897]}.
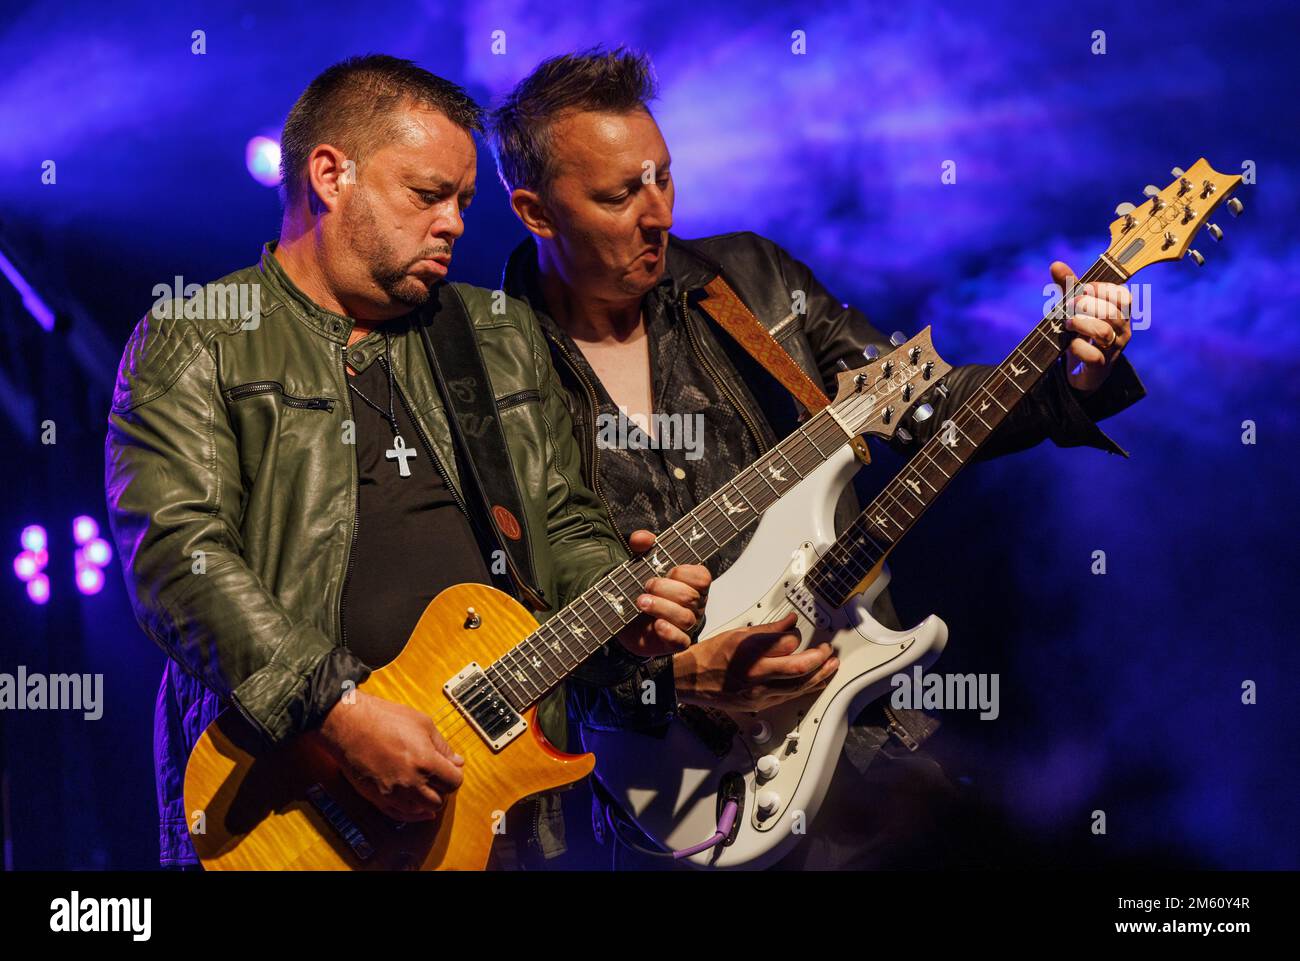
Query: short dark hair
{"type": "Point", "coordinates": [351, 105]}
{"type": "Point", "coordinates": [616, 81]}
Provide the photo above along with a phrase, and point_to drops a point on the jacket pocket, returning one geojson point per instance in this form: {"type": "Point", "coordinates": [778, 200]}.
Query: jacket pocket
{"type": "Point", "coordinates": [253, 388]}
{"type": "Point", "coordinates": [517, 398]}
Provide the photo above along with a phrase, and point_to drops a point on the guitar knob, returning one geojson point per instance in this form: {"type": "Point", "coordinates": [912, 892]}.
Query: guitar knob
{"type": "Point", "coordinates": [923, 413]}
{"type": "Point", "coordinates": [904, 435]}
{"type": "Point", "coordinates": [941, 389]}
{"type": "Point", "coordinates": [1177, 171]}
{"type": "Point", "coordinates": [841, 364]}
{"type": "Point", "coordinates": [898, 338]}
{"type": "Point", "coordinates": [472, 620]}
{"type": "Point", "coordinates": [768, 767]}
{"type": "Point", "coordinates": [1214, 231]}
{"type": "Point", "coordinates": [761, 732]}
{"type": "Point", "coordinates": [1152, 191]}
{"type": "Point", "coordinates": [766, 803]}
{"type": "Point", "coordinates": [871, 351]}
{"type": "Point", "coordinates": [1196, 256]}
{"type": "Point", "coordinates": [1235, 206]}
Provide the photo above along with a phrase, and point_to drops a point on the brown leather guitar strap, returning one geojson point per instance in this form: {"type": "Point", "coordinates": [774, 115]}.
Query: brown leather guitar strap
{"type": "Point", "coordinates": [731, 314]}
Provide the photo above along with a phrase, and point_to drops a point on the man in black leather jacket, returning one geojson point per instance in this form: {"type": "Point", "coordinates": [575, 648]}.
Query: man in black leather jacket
{"type": "Point", "coordinates": [617, 296]}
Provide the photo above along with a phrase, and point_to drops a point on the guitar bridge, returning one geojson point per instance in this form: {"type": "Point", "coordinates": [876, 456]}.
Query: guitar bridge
{"type": "Point", "coordinates": [486, 708]}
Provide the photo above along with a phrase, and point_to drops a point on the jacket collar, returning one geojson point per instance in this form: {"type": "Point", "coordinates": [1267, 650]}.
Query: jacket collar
{"type": "Point", "coordinates": [332, 326]}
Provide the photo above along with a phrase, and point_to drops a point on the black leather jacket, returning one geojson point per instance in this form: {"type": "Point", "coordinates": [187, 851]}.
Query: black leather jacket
{"type": "Point", "coordinates": [766, 278]}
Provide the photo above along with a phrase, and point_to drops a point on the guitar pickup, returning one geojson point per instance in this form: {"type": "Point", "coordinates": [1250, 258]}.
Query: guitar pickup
{"type": "Point", "coordinates": [486, 708]}
{"type": "Point", "coordinates": [807, 603]}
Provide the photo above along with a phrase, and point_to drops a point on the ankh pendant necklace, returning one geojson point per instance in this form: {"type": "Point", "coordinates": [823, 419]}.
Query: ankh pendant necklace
{"type": "Point", "coordinates": [399, 451]}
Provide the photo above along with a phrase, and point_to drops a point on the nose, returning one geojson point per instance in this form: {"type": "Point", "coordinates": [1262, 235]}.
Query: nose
{"type": "Point", "coordinates": [658, 214]}
{"type": "Point", "coordinates": [448, 225]}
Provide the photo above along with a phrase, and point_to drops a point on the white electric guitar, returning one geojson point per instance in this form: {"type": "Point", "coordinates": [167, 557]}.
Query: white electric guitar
{"type": "Point", "coordinates": [738, 790]}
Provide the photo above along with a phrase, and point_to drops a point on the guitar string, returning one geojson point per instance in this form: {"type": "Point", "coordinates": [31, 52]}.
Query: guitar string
{"type": "Point", "coordinates": [463, 723]}
{"type": "Point", "coordinates": [827, 430]}
{"type": "Point", "coordinates": [964, 420]}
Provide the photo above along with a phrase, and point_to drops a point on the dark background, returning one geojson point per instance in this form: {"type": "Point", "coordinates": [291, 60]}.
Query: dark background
{"type": "Point", "coordinates": [1119, 692]}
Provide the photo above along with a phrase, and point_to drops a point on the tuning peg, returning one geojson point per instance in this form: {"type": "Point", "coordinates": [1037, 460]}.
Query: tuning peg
{"type": "Point", "coordinates": [871, 351]}
{"type": "Point", "coordinates": [941, 389]}
{"type": "Point", "coordinates": [927, 369]}
{"type": "Point", "coordinates": [904, 435]}
{"type": "Point", "coordinates": [1125, 210]}
{"type": "Point", "coordinates": [1177, 171]}
{"type": "Point", "coordinates": [841, 364]}
{"type": "Point", "coordinates": [1196, 256]}
{"type": "Point", "coordinates": [923, 413]}
{"type": "Point", "coordinates": [914, 355]}
{"type": "Point", "coordinates": [1214, 231]}
{"type": "Point", "coordinates": [1152, 191]}
{"type": "Point", "coordinates": [1235, 206]}
{"type": "Point", "coordinates": [898, 338]}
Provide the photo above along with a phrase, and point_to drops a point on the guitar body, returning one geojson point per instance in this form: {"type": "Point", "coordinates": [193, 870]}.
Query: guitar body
{"type": "Point", "coordinates": [290, 807]}
{"type": "Point", "coordinates": [671, 785]}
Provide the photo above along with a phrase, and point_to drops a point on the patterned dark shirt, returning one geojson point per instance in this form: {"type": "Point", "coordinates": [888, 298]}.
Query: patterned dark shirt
{"type": "Point", "coordinates": [705, 442]}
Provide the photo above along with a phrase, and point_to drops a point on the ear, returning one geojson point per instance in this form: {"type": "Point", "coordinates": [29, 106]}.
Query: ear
{"type": "Point", "coordinates": [329, 173]}
{"type": "Point", "coordinates": [528, 207]}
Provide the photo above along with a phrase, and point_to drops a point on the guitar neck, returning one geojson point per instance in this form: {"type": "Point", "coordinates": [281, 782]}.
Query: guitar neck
{"type": "Point", "coordinates": [836, 576]}
{"type": "Point", "coordinates": [571, 635]}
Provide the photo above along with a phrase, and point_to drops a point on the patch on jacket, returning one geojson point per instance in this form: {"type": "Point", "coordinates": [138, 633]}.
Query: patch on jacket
{"type": "Point", "coordinates": [507, 522]}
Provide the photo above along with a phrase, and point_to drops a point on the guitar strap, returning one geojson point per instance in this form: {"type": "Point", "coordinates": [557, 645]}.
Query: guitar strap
{"type": "Point", "coordinates": [476, 429]}
{"type": "Point", "coordinates": [731, 314]}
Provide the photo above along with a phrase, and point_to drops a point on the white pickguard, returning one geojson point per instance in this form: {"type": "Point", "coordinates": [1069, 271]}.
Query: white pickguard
{"type": "Point", "coordinates": [669, 785]}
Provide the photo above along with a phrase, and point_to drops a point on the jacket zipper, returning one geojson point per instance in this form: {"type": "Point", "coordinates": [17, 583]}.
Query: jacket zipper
{"type": "Point", "coordinates": [896, 728]}
{"type": "Point", "coordinates": [518, 397]}
{"type": "Point", "coordinates": [595, 448]}
{"type": "Point", "coordinates": [718, 379]}
{"type": "Point", "coordinates": [356, 510]}
{"type": "Point", "coordinates": [519, 580]}
{"type": "Point", "coordinates": [270, 386]}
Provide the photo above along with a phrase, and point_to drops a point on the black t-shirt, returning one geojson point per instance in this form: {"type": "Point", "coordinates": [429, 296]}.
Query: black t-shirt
{"type": "Point", "coordinates": [412, 538]}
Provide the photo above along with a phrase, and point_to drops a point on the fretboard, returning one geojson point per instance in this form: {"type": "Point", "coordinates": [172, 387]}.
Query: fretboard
{"type": "Point", "coordinates": [858, 549]}
{"type": "Point", "coordinates": [573, 634]}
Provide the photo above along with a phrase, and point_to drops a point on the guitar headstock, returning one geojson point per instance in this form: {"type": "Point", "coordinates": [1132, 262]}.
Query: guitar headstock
{"type": "Point", "coordinates": [1163, 225]}
{"type": "Point", "coordinates": [875, 398]}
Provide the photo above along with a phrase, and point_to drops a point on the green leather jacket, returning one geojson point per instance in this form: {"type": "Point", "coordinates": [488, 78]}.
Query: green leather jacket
{"type": "Point", "coordinates": [232, 495]}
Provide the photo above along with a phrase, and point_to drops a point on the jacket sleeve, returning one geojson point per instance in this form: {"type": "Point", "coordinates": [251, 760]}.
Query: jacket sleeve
{"type": "Point", "coordinates": [1052, 410]}
{"type": "Point", "coordinates": [174, 497]}
{"type": "Point", "coordinates": [584, 547]}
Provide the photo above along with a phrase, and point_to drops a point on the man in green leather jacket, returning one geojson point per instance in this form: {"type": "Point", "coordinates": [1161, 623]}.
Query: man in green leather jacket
{"type": "Point", "coordinates": [248, 487]}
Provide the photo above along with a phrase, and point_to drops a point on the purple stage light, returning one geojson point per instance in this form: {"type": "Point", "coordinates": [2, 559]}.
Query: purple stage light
{"type": "Point", "coordinates": [31, 300]}
{"type": "Point", "coordinates": [98, 552]}
{"type": "Point", "coordinates": [25, 565]}
{"type": "Point", "coordinates": [84, 528]}
{"type": "Point", "coordinates": [33, 538]}
{"type": "Point", "coordinates": [38, 589]}
{"type": "Point", "coordinates": [262, 156]}
{"type": "Point", "coordinates": [90, 579]}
